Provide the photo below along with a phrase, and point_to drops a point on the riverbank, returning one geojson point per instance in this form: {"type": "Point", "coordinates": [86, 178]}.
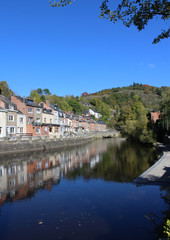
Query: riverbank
{"type": "Point", "coordinates": [30, 144]}
{"type": "Point", "coordinates": [159, 173]}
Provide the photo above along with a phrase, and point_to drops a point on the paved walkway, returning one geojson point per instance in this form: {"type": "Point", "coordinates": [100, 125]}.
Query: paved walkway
{"type": "Point", "coordinates": [159, 173]}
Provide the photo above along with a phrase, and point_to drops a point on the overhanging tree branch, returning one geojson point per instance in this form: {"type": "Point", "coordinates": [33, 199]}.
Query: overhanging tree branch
{"type": "Point", "coordinates": [137, 12]}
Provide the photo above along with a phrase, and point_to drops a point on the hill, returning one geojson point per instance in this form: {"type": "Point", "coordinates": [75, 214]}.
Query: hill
{"type": "Point", "coordinates": [150, 96]}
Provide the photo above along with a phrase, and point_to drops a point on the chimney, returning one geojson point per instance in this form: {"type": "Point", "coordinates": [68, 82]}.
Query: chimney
{"type": "Point", "coordinates": [47, 103]}
{"type": "Point", "coordinates": [2, 104]}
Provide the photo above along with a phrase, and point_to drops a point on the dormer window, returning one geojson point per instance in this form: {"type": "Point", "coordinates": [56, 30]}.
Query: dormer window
{"type": "Point", "coordinates": [11, 107]}
{"type": "Point", "coordinates": [29, 101]}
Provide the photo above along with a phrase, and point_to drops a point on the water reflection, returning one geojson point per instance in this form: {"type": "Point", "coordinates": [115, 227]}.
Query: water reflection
{"type": "Point", "coordinates": [114, 160]}
{"type": "Point", "coordinates": [81, 193]}
{"type": "Point", "coordinates": [121, 162]}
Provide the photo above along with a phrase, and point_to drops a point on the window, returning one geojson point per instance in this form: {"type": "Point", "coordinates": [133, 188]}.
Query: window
{"type": "Point", "coordinates": [46, 164]}
{"type": "Point", "coordinates": [39, 184]}
{"type": "Point", "coordinates": [11, 107]}
{"type": "Point", "coordinates": [11, 117]}
{"type": "Point", "coordinates": [30, 110]}
{"type": "Point", "coordinates": [38, 120]}
{"type": "Point", "coordinates": [45, 129]}
{"type": "Point", "coordinates": [50, 120]}
{"type": "Point", "coordinates": [1, 171]}
{"type": "Point", "coordinates": [0, 130]}
{"type": "Point", "coordinates": [21, 119]}
{"type": "Point", "coordinates": [22, 179]}
{"type": "Point", "coordinates": [31, 185]}
{"type": "Point", "coordinates": [38, 165]}
{"type": "Point", "coordinates": [30, 119]}
{"type": "Point", "coordinates": [11, 170]}
{"type": "Point", "coordinates": [12, 182]}
{"type": "Point", "coordinates": [21, 129]}
{"type": "Point", "coordinates": [12, 194]}
{"type": "Point", "coordinates": [38, 110]}
{"type": "Point", "coordinates": [37, 130]}
{"type": "Point", "coordinates": [45, 120]}
{"type": "Point", "coordinates": [12, 130]}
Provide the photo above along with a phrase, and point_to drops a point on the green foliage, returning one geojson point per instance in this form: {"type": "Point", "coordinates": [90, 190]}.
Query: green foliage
{"type": "Point", "coordinates": [64, 105]}
{"type": "Point", "coordinates": [42, 98]}
{"type": "Point", "coordinates": [76, 106]}
{"type": "Point", "coordinates": [35, 96]}
{"type": "Point", "coordinates": [167, 228]}
{"type": "Point", "coordinates": [5, 90]}
{"type": "Point", "coordinates": [39, 91]}
{"type": "Point", "coordinates": [131, 105]}
{"type": "Point", "coordinates": [60, 3]}
{"type": "Point", "coordinates": [46, 91]}
{"type": "Point", "coordinates": [133, 122]}
{"type": "Point", "coordinates": [138, 13]}
{"type": "Point", "coordinates": [165, 111]}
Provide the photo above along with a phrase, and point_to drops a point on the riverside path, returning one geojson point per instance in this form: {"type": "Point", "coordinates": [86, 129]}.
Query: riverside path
{"type": "Point", "coordinates": [159, 173]}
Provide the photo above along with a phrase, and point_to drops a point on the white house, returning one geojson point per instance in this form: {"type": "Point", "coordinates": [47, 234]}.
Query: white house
{"type": "Point", "coordinates": [3, 122]}
{"type": "Point", "coordinates": [95, 113]}
{"type": "Point", "coordinates": [21, 123]}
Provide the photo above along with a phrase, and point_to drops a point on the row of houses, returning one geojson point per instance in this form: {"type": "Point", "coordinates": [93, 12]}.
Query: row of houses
{"type": "Point", "coordinates": [19, 116]}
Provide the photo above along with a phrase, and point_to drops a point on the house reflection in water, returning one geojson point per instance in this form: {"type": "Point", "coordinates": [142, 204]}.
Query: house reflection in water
{"type": "Point", "coordinates": [20, 178]}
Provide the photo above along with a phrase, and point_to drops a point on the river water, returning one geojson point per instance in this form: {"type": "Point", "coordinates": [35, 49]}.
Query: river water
{"type": "Point", "coordinates": [84, 192]}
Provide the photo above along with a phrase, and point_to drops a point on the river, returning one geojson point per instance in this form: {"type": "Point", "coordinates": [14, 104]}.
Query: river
{"type": "Point", "coordinates": [85, 192]}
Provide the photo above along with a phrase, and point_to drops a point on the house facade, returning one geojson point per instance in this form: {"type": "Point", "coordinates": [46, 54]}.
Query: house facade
{"type": "Point", "coordinates": [3, 114]}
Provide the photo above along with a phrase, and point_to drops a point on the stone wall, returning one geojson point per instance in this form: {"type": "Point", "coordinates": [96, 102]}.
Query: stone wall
{"type": "Point", "coordinates": [43, 143]}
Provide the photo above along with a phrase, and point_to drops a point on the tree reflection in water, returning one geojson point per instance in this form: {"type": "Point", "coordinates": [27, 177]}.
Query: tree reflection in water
{"type": "Point", "coordinates": [68, 206]}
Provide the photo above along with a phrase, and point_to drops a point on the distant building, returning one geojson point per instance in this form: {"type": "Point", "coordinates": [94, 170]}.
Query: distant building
{"type": "Point", "coordinates": [155, 116]}
{"type": "Point", "coordinates": [95, 113]}
{"type": "Point", "coordinates": [84, 94]}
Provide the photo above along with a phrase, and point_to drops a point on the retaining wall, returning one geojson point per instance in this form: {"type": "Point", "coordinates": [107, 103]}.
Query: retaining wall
{"type": "Point", "coordinates": [42, 143]}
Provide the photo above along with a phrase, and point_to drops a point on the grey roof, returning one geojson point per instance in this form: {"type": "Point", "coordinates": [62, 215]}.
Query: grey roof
{"type": "Point", "coordinates": [54, 106]}
{"type": "Point", "coordinates": [48, 111]}
{"type": "Point", "coordinates": [94, 110]}
{"type": "Point", "coordinates": [101, 122]}
{"type": "Point", "coordinates": [85, 111]}
{"type": "Point", "coordinates": [28, 102]}
{"type": "Point", "coordinates": [8, 102]}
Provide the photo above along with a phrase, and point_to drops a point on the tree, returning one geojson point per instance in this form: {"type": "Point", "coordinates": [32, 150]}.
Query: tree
{"type": "Point", "coordinates": [39, 91]}
{"type": "Point", "coordinates": [35, 96]}
{"type": "Point", "coordinates": [165, 111]}
{"type": "Point", "coordinates": [46, 91]}
{"type": "Point", "coordinates": [137, 13]}
{"type": "Point", "coordinates": [76, 106]}
{"type": "Point", "coordinates": [5, 90]}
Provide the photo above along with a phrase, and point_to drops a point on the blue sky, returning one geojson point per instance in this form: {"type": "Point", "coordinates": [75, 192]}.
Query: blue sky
{"type": "Point", "coordinates": [70, 50]}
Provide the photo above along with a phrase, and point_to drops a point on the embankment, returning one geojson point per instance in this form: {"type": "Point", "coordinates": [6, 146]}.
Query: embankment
{"type": "Point", "coordinates": [29, 144]}
{"type": "Point", "coordinates": [159, 173]}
